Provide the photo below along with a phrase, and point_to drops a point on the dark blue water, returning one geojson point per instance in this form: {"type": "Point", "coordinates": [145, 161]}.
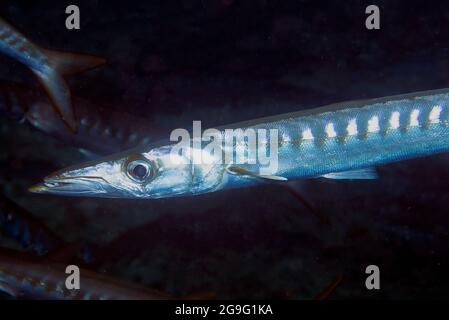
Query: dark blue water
{"type": "Point", "coordinates": [223, 61]}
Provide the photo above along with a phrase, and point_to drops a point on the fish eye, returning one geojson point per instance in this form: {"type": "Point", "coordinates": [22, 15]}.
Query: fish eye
{"type": "Point", "coordinates": [139, 170]}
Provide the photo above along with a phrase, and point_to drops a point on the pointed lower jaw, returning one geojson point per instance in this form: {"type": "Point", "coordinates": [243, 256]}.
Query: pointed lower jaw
{"type": "Point", "coordinates": [74, 187]}
{"type": "Point", "coordinates": [38, 188]}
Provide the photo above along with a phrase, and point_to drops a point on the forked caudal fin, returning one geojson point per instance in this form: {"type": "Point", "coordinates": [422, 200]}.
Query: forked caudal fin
{"type": "Point", "coordinates": [67, 63]}
{"type": "Point", "coordinates": [62, 63]}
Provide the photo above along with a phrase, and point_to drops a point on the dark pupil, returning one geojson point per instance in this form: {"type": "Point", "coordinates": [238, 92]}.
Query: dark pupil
{"type": "Point", "coordinates": [139, 171]}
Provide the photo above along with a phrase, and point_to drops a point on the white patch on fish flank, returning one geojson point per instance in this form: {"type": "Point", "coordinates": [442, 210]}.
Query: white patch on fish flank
{"type": "Point", "coordinates": [373, 124]}
{"type": "Point", "coordinates": [414, 118]}
{"type": "Point", "coordinates": [285, 137]}
{"type": "Point", "coordinates": [434, 115]}
{"type": "Point", "coordinates": [378, 123]}
{"type": "Point", "coordinates": [395, 120]}
{"type": "Point", "coordinates": [352, 127]}
{"type": "Point", "coordinates": [330, 130]}
{"type": "Point", "coordinates": [307, 134]}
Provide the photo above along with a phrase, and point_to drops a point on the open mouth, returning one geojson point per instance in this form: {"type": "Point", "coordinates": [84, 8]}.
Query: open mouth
{"type": "Point", "coordinates": [70, 185]}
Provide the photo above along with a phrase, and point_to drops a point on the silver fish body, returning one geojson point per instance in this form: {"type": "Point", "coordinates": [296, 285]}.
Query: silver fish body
{"type": "Point", "coordinates": [331, 141]}
{"type": "Point", "coordinates": [355, 135]}
{"type": "Point", "coordinates": [15, 45]}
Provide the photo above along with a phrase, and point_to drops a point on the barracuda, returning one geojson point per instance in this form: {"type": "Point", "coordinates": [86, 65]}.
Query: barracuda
{"type": "Point", "coordinates": [340, 141]}
{"type": "Point", "coordinates": [17, 223]}
{"type": "Point", "coordinates": [101, 131]}
{"type": "Point", "coordinates": [30, 278]}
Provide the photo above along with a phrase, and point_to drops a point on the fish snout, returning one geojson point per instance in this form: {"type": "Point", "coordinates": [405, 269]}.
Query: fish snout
{"type": "Point", "coordinates": [68, 185]}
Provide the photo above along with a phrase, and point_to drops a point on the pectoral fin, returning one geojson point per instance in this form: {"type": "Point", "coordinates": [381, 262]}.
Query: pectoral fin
{"type": "Point", "coordinates": [245, 172]}
{"type": "Point", "coordinates": [358, 174]}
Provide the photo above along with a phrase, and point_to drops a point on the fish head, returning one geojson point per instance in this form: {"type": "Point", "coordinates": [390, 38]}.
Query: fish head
{"type": "Point", "coordinates": [158, 173]}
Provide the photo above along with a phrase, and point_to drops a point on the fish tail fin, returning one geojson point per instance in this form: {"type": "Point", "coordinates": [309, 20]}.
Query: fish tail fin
{"type": "Point", "coordinates": [67, 63]}
{"type": "Point", "coordinates": [63, 63]}
{"type": "Point", "coordinates": [59, 93]}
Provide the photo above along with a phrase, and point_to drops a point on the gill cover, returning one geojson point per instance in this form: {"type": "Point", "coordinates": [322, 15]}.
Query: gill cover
{"type": "Point", "coordinates": [158, 173]}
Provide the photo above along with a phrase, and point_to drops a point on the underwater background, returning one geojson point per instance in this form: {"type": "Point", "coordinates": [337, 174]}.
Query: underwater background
{"type": "Point", "coordinates": [224, 61]}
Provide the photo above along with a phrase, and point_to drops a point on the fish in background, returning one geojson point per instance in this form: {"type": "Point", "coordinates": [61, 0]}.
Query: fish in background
{"type": "Point", "coordinates": [21, 226]}
{"type": "Point", "coordinates": [39, 278]}
{"type": "Point", "coordinates": [15, 100]}
{"type": "Point", "coordinates": [48, 66]}
{"type": "Point", "coordinates": [35, 237]}
{"type": "Point", "coordinates": [43, 279]}
{"type": "Point", "coordinates": [100, 131]}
